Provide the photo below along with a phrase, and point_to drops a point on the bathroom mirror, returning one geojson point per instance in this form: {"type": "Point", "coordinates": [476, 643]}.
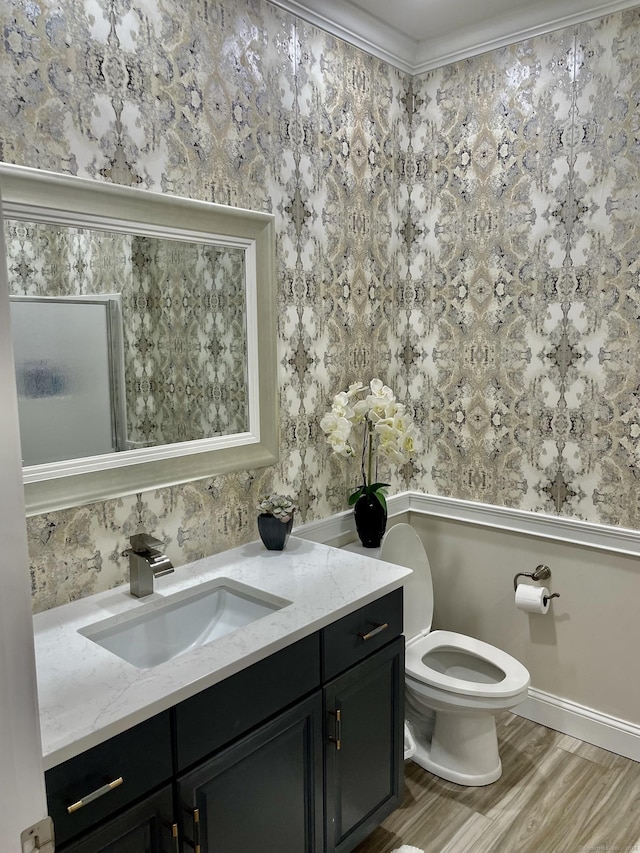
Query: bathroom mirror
{"type": "Point", "coordinates": [140, 358]}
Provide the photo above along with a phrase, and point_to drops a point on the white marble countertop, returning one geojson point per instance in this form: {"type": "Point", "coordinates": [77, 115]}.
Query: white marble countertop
{"type": "Point", "coordinates": [88, 694]}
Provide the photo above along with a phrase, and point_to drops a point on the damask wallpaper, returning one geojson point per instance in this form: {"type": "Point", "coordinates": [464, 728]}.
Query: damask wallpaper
{"type": "Point", "coordinates": [470, 236]}
{"type": "Point", "coordinates": [521, 326]}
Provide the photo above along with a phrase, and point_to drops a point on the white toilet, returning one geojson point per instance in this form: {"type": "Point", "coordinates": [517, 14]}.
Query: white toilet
{"type": "Point", "coordinates": [454, 683]}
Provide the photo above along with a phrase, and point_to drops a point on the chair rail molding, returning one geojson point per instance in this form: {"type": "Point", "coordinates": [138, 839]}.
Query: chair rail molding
{"type": "Point", "coordinates": [571, 531]}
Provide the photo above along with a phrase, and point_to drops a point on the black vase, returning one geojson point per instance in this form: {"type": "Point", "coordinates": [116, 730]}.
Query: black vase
{"type": "Point", "coordinates": [273, 532]}
{"type": "Point", "coordinates": [371, 520]}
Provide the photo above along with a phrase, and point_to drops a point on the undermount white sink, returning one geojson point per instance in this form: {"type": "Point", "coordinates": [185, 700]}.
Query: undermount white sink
{"type": "Point", "coordinates": [160, 630]}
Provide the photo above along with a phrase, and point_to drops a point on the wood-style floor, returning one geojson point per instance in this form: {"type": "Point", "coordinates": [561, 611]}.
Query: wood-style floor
{"type": "Point", "coordinates": [556, 795]}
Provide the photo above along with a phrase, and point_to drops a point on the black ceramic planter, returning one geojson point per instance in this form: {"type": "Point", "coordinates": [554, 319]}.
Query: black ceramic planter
{"type": "Point", "coordinates": [371, 520]}
{"type": "Point", "coordinates": [273, 532]}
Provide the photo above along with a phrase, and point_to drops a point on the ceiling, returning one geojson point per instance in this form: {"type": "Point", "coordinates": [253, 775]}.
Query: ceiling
{"type": "Point", "coordinates": [418, 35]}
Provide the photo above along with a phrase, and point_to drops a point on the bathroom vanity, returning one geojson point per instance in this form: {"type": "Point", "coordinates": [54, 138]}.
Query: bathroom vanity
{"type": "Point", "coordinates": [284, 735]}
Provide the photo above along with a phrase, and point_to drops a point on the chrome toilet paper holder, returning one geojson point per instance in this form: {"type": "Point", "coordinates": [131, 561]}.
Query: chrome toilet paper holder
{"type": "Point", "coordinates": [542, 573]}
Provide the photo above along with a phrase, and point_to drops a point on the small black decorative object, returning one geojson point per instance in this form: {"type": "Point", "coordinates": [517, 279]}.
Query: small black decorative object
{"type": "Point", "coordinates": [273, 532]}
{"type": "Point", "coordinates": [371, 520]}
{"type": "Point", "coordinates": [275, 520]}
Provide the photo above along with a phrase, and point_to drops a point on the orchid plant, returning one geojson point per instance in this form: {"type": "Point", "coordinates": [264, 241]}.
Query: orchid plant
{"type": "Point", "coordinates": [387, 430]}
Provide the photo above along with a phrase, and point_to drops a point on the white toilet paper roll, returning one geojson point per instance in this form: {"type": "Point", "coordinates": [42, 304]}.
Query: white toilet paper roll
{"type": "Point", "coordinates": [531, 599]}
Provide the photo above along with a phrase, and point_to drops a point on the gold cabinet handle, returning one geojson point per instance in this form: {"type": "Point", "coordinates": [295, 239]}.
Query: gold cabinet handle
{"type": "Point", "coordinates": [196, 828]}
{"type": "Point", "coordinates": [337, 739]}
{"type": "Point", "coordinates": [94, 795]}
{"type": "Point", "coordinates": [195, 814]}
{"type": "Point", "coordinates": [175, 840]}
{"type": "Point", "coordinates": [375, 631]}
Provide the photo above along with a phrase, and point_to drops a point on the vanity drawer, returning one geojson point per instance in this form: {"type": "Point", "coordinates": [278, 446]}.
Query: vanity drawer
{"type": "Point", "coordinates": [141, 757]}
{"type": "Point", "coordinates": [238, 704]}
{"type": "Point", "coordinates": [357, 635]}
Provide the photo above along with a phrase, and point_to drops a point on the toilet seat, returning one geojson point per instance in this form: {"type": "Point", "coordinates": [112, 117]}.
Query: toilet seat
{"type": "Point", "coordinates": [515, 676]}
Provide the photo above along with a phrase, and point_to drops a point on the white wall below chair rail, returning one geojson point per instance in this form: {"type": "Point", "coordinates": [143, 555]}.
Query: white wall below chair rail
{"type": "Point", "coordinates": [594, 611]}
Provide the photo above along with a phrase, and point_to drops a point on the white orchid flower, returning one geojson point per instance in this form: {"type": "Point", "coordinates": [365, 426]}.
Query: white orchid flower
{"type": "Point", "coordinates": [340, 445]}
{"type": "Point", "coordinates": [410, 440]}
{"type": "Point", "coordinates": [360, 410]}
{"type": "Point", "coordinates": [338, 430]}
{"type": "Point", "coordinates": [387, 427]}
{"type": "Point", "coordinates": [392, 452]}
{"type": "Point", "coordinates": [341, 407]}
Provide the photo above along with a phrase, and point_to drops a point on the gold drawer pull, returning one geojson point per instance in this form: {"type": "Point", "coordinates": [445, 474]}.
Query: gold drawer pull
{"type": "Point", "coordinates": [94, 795]}
{"type": "Point", "coordinates": [375, 631]}
{"type": "Point", "coordinates": [196, 844]}
{"type": "Point", "coordinates": [338, 730]}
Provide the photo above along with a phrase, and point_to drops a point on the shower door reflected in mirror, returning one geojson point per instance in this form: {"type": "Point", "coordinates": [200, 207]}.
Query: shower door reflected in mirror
{"type": "Point", "coordinates": [69, 376]}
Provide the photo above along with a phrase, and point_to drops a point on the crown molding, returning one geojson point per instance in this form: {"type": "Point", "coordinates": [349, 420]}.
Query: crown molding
{"type": "Point", "coordinates": [526, 24]}
{"type": "Point", "coordinates": [367, 32]}
{"type": "Point", "coordinates": [358, 28]}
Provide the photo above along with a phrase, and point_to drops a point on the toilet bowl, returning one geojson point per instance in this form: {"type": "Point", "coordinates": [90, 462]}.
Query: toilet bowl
{"type": "Point", "coordinates": [454, 684]}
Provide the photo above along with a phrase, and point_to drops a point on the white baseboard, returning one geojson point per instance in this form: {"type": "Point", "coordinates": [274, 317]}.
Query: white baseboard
{"type": "Point", "coordinates": [584, 723]}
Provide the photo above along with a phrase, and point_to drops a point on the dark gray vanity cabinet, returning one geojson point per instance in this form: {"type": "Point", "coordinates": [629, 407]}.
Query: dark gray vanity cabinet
{"type": "Point", "coordinates": [299, 753]}
{"type": "Point", "coordinates": [262, 794]}
{"type": "Point", "coordinates": [364, 715]}
{"type": "Point", "coordinates": [249, 758]}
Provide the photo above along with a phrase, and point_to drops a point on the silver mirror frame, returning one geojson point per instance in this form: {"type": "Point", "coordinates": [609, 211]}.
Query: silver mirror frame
{"type": "Point", "coordinates": [37, 195]}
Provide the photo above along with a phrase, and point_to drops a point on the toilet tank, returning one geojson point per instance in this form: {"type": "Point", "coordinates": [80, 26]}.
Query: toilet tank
{"type": "Point", "coordinates": [402, 546]}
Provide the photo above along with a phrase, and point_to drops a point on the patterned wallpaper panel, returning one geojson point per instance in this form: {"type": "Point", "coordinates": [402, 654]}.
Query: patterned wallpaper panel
{"type": "Point", "coordinates": [526, 216]}
{"type": "Point", "coordinates": [469, 235]}
{"type": "Point", "coordinates": [185, 341]}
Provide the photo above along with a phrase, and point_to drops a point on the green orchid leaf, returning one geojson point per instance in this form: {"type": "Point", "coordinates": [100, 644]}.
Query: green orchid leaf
{"type": "Point", "coordinates": [379, 494]}
{"type": "Point", "coordinates": [375, 487]}
{"type": "Point", "coordinates": [357, 494]}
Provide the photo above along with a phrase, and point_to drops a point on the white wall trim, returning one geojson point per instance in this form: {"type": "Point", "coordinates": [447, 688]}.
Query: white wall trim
{"type": "Point", "coordinates": [571, 531]}
{"type": "Point", "coordinates": [463, 44]}
{"type": "Point", "coordinates": [358, 28]}
{"type": "Point", "coordinates": [365, 31]}
{"type": "Point", "coordinates": [603, 730]}
{"type": "Point", "coordinates": [342, 523]}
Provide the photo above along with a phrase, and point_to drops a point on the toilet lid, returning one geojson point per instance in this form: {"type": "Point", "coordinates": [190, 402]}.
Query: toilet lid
{"type": "Point", "coordinates": [402, 546]}
{"type": "Point", "coordinates": [463, 665]}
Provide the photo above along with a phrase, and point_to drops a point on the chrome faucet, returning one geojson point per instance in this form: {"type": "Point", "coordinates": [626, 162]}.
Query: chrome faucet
{"type": "Point", "coordinates": [146, 562]}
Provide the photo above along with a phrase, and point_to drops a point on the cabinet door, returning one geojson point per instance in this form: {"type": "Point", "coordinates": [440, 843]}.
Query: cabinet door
{"type": "Point", "coordinates": [364, 722]}
{"type": "Point", "coordinates": [147, 827]}
{"type": "Point", "coordinates": [262, 794]}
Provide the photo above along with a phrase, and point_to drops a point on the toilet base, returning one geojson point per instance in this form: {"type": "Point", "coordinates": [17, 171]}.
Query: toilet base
{"type": "Point", "coordinates": [463, 749]}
